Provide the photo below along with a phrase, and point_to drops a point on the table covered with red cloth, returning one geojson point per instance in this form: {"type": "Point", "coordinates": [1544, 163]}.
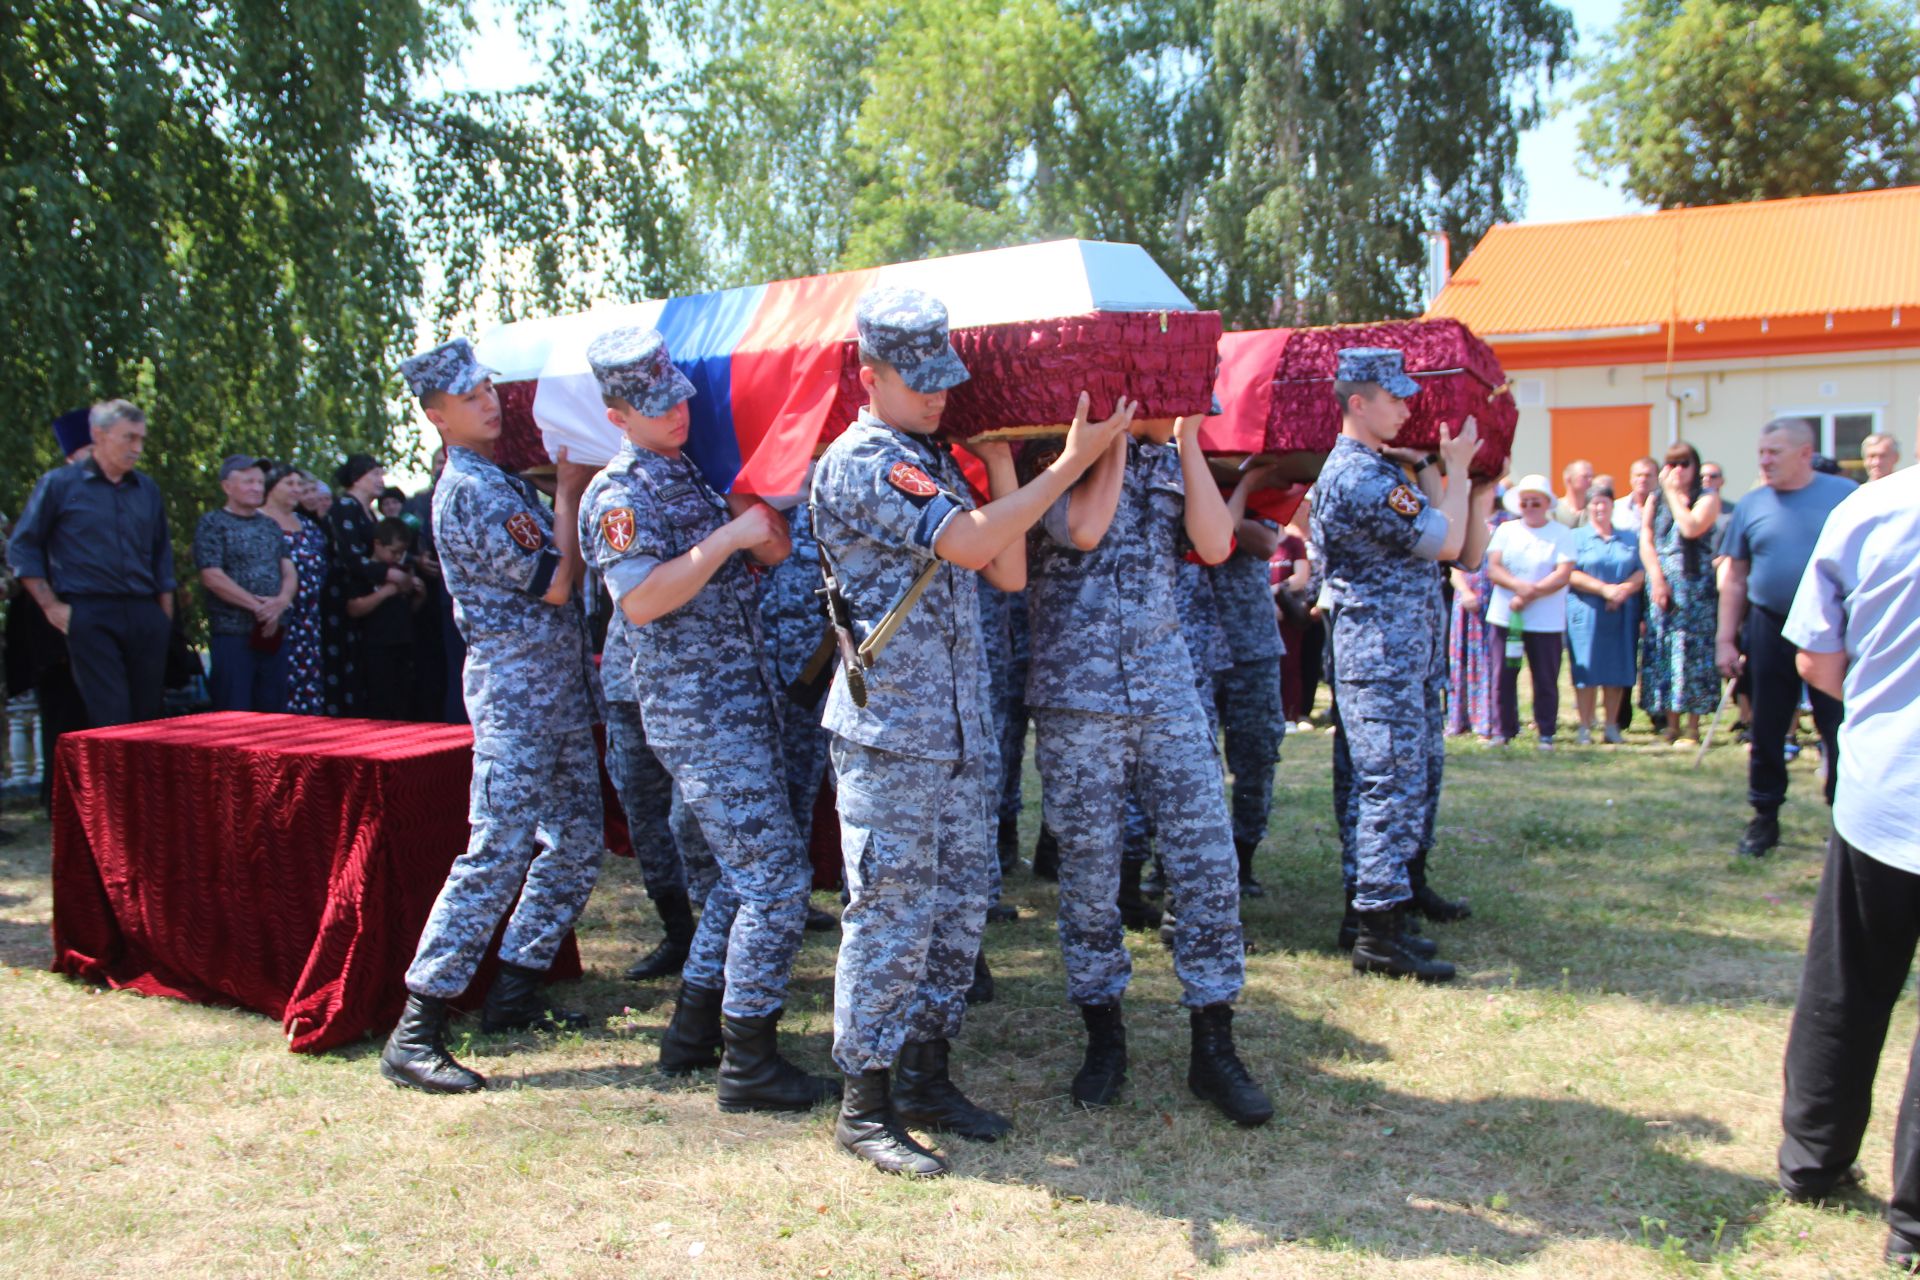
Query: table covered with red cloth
{"type": "Point", "coordinates": [282, 863]}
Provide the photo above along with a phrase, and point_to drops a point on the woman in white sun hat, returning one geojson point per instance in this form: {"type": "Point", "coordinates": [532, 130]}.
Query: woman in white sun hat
{"type": "Point", "coordinates": [1530, 562]}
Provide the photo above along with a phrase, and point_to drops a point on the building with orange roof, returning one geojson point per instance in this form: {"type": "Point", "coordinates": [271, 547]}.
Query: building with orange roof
{"type": "Point", "coordinates": [1622, 335]}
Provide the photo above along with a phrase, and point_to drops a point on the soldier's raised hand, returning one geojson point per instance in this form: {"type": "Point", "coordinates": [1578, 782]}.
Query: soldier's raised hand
{"type": "Point", "coordinates": [1456, 451]}
{"type": "Point", "coordinates": [757, 528]}
{"type": "Point", "coordinates": [1086, 441]}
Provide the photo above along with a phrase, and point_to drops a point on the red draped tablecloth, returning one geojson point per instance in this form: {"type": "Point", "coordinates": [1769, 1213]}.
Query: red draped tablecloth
{"type": "Point", "coordinates": [282, 863]}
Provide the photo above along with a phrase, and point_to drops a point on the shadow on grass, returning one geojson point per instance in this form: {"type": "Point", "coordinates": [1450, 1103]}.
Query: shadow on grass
{"type": "Point", "coordinates": [1351, 1165]}
{"type": "Point", "coordinates": [25, 945]}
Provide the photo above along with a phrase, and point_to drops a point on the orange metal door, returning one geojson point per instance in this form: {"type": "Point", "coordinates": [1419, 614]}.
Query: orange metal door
{"type": "Point", "coordinates": [1611, 437]}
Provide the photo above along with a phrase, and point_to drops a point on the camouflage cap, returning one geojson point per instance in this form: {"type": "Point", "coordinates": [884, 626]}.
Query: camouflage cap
{"type": "Point", "coordinates": [450, 367]}
{"type": "Point", "coordinates": [634, 365]}
{"type": "Point", "coordinates": [908, 329]}
{"type": "Point", "coordinates": [1380, 365]}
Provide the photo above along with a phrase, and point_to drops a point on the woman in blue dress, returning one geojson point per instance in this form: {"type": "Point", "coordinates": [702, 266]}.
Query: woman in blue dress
{"type": "Point", "coordinates": [1603, 614]}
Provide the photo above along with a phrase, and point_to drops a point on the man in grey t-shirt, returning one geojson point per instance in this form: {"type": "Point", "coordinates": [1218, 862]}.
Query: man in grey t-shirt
{"type": "Point", "coordinates": [1763, 552]}
{"type": "Point", "coordinates": [249, 583]}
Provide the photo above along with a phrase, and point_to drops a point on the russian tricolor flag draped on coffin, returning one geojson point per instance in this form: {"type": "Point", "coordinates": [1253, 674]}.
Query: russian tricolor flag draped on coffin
{"type": "Point", "coordinates": [776, 365]}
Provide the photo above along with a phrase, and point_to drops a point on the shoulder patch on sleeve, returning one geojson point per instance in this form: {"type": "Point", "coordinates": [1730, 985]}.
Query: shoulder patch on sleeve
{"type": "Point", "coordinates": [912, 481]}
{"type": "Point", "coordinates": [1404, 500]}
{"type": "Point", "coordinates": [616, 526]}
{"type": "Point", "coordinates": [525, 530]}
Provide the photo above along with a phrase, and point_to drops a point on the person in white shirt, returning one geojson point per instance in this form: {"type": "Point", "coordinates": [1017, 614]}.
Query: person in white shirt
{"type": "Point", "coordinates": [1530, 562]}
{"type": "Point", "coordinates": [1852, 621]}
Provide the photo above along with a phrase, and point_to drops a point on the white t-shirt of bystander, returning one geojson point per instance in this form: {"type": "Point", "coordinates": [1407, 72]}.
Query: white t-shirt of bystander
{"type": "Point", "coordinates": [1530, 554]}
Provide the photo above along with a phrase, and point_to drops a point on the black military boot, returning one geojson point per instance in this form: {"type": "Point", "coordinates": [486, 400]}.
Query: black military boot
{"type": "Point", "coordinates": [753, 1075]}
{"type": "Point", "coordinates": [1046, 855]}
{"type": "Point", "coordinates": [1135, 911]}
{"type": "Point", "coordinates": [867, 1127]}
{"type": "Point", "coordinates": [1381, 948]}
{"type": "Point", "coordinates": [1426, 901]}
{"type": "Point", "coordinates": [1104, 1069]}
{"type": "Point", "coordinates": [517, 1001]}
{"type": "Point", "coordinates": [1410, 936]}
{"type": "Point", "coordinates": [925, 1096]}
{"type": "Point", "coordinates": [692, 1041]}
{"type": "Point", "coordinates": [676, 916]}
{"type": "Point", "coordinates": [1762, 835]}
{"type": "Point", "coordinates": [416, 1054]}
{"type": "Point", "coordinates": [1249, 887]}
{"type": "Point", "coordinates": [1002, 913]}
{"type": "Point", "coordinates": [1216, 1074]}
{"type": "Point", "coordinates": [981, 992]}
{"type": "Point", "coordinates": [1009, 844]}
{"type": "Point", "coordinates": [819, 921]}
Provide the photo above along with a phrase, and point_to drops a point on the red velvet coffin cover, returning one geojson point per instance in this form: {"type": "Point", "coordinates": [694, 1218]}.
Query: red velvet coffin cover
{"type": "Point", "coordinates": [1306, 416]}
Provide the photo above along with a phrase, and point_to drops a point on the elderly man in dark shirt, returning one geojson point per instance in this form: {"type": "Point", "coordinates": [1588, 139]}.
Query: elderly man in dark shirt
{"type": "Point", "coordinates": [93, 551]}
{"type": "Point", "coordinates": [249, 582]}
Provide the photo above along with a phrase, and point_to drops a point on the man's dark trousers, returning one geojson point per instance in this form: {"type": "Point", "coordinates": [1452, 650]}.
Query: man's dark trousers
{"type": "Point", "coordinates": [1776, 700]}
{"type": "Point", "coordinates": [1866, 921]}
{"type": "Point", "coordinates": [118, 648]}
{"type": "Point", "coordinates": [245, 678]}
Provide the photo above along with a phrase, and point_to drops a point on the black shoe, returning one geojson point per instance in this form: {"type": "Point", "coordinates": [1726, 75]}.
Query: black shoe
{"type": "Point", "coordinates": [1155, 884]}
{"type": "Point", "coordinates": [753, 1075]}
{"type": "Point", "coordinates": [1762, 835]}
{"type": "Point", "coordinates": [1426, 901]}
{"type": "Point", "coordinates": [1046, 855]}
{"type": "Point", "coordinates": [1381, 947]}
{"type": "Point", "coordinates": [982, 990]}
{"type": "Point", "coordinates": [868, 1128]}
{"type": "Point", "coordinates": [819, 921]}
{"type": "Point", "coordinates": [692, 1041]}
{"type": "Point", "coordinates": [1002, 913]}
{"type": "Point", "coordinates": [1901, 1253]}
{"type": "Point", "coordinates": [416, 1054]}
{"type": "Point", "coordinates": [925, 1096]}
{"type": "Point", "coordinates": [1410, 937]}
{"type": "Point", "coordinates": [1249, 887]}
{"type": "Point", "coordinates": [518, 1001]}
{"type": "Point", "coordinates": [1009, 844]}
{"type": "Point", "coordinates": [1135, 911]}
{"type": "Point", "coordinates": [1104, 1070]}
{"type": "Point", "coordinates": [667, 959]}
{"type": "Point", "coordinates": [1812, 1191]}
{"type": "Point", "coordinates": [1216, 1074]}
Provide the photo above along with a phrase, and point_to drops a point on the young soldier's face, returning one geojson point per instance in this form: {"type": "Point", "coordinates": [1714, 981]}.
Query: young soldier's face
{"type": "Point", "coordinates": [1377, 413]}
{"type": "Point", "coordinates": [898, 405]}
{"type": "Point", "coordinates": [666, 434]}
{"type": "Point", "coordinates": [470, 418]}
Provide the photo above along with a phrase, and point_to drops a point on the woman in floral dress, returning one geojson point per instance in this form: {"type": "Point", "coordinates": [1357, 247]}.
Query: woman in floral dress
{"type": "Point", "coordinates": [1474, 651]}
{"type": "Point", "coordinates": [306, 542]}
{"type": "Point", "coordinates": [1677, 675]}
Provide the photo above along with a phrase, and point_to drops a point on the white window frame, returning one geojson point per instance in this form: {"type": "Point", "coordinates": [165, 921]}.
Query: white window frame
{"type": "Point", "coordinates": [1826, 413]}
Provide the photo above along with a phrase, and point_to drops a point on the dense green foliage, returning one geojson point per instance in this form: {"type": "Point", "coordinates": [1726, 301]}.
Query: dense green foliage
{"type": "Point", "coordinates": [1715, 101]}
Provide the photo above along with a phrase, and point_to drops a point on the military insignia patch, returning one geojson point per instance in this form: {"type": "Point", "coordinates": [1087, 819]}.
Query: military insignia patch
{"type": "Point", "coordinates": [1404, 500]}
{"type": "Point", "coordinates": [912, 481]}
{"type": "Point", "coordinates": [525, 530]}
{"type": "Point", "coordinates": [616, 526]}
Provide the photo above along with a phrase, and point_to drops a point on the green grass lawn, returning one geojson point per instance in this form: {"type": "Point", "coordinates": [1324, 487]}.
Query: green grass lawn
{"type": "Point", "coordinates": [1597, 1095]}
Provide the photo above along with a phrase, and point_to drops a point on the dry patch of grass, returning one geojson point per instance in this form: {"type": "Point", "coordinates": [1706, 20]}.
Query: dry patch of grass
{"type": "Point", "coordinates": [1597, 1097]}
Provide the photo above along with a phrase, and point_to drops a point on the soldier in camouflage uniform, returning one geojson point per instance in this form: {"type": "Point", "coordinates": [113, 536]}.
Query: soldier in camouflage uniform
{"type": "Point", "coordinates": [1380, 539]}
{"type": "Point", "coordinates": [670, 550]}
{"type": "Point", "coordinates": [531, 694]}
{"type": "Point", "coordinates": [911, 761]}
{"type": "Point", "coordinates": [1115, 700]}
{"type": "Point", "coordinates": [1248, 691]}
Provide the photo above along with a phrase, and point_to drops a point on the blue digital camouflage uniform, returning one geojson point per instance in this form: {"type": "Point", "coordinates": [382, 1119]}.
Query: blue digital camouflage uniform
{"type": "Point", "coordinates": [1378, 540]}
{"type": "Point", "coordinates": [1115, 701]}
{"type": "Point", "coordinates": [531, 695]}
{"type": "Point", "coordinates": [912, 764]}
{"type": "Point", "coordinates": [639, 779]}
{"type": "Point", "coordinates": [1207, 648]}
{"type": "Point", "coordinates": [1013, 727]}
{"type": "Point", "coordinates": [705, 691]}
{"type": "Point", "coordinates": [1248, 691]}
{"type": "Point", "coordinates": [793, 622]}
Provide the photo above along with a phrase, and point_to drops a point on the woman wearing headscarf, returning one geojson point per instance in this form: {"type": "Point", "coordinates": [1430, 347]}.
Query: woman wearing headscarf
{"type": "Point", "coordinates": [1603, 613]}
{"type": "Point", "coordinates": [1676, 549]}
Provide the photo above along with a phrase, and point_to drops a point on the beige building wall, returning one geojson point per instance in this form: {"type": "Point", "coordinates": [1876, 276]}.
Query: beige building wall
{"type": "Point", "coordinates": [1719, 406]}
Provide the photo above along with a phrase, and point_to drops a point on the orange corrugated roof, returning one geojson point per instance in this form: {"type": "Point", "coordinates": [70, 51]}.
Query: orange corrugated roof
{"type": "Point", "coordinates": [1804, 256]}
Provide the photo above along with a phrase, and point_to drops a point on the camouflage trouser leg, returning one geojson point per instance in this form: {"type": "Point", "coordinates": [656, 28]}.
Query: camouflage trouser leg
{"type": "Point", "coordinates": [537, 836]}
{"type": "Point", "coordinates": [646, 796]}
{"type": "Point", "coordinates": [1343, 797]}
{"type": "Point", "coordinates": [803, 745]}
{"type": "Point", "coordinates": [919, 865]}
{"type": "Point", "coordinates": [1136, 833]}
{"type": "Point", "coordinates": [1386, 729]}
{"type": "Point", "coordinates": [1436, 761]}
{"type": "Point", "coordinates": [1250, 712]}
{"type": "Point", "coordinates": [702, 872]}
{"type": "Point", "coordinates": [1013, 753]}
{"type": "Point", "coordinates": [1088, 762]}
{"type": "Point", "coordinates": [741, 807]}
